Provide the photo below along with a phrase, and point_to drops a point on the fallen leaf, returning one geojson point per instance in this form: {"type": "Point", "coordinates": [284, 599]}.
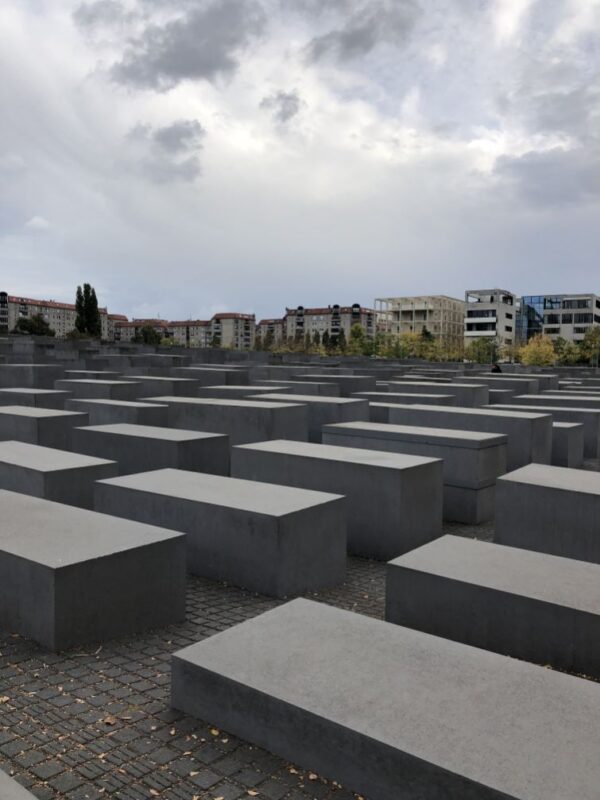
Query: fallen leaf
{"type": "Point", "coordinates": [215, 731]}
{"type": "Point", "coordinates": [4, 699]}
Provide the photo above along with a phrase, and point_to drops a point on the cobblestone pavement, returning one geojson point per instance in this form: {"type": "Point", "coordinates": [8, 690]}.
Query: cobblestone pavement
{"type": "Point", "coordinates": [93, 723]}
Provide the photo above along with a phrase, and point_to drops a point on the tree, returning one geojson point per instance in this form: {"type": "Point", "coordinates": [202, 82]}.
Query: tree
{"type": "Point", "coordinates": [80, 311]}
{"type": "Point", "coordinates": [316, 340]}
{"type": "Point", "coordinates": [482, 351]}
{"type": "Point", "coordinates": [258, 342]}
{"type": "Point", "coordinates": [326, 340]}
{"type": "Point", "coordinates": [307, 343]}
{"type": "Point", "coordinates": [147, 335]}
{"type": "Point", "coordinates": [566, 352]}
{"type": "Point", "coordinates": [34, 326]}
{"type": "Point", "coordinates": [427, 335]}
{"type": "Point", "coordinates": [590, 346]}
{"type": "Point", "coordinates": [87, 320]}
{"type": "Point", "coordinates": [538, 352]}
{"type": "Point", "coordinates": [268, 340]}
{"type": "Point", "coordinates": [356, 345]}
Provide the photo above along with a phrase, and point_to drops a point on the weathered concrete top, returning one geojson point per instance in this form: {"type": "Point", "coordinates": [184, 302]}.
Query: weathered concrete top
{"type": "Point", "coordinates": [158, 378]}
{"type": "Point", "coordinates": [567, 425]}
{"type": "Point", "coordinates": [444, 436]}
{"type": "Point", "coordinates": [479, 412]}
{"type": "Point", "coordinates": [561, 581]}
{"type": "Point", "coordinates": [57, 535]}
{"type": "Point", "coordinates": [314, 398]}
{"type": "Point", "coordinates": [446, 386]}
{"type": "Point", "coordinates": [548, 409]}
{"type": "Point", "coordinates": [559, 478]}
{"type": "Point", "coordinates": [524, 731]}
{"type": "Point", "coordinates": [152, 432]}
{"type": "Point", "coordinates": [548, 397]}
{"type": "Point", "coordinates": [97, 382]}
{"type": "Point", "coordinates": [388, 398]}
{"type": "Point", "coordinates": [217, 401]}
{"type": "Point", "coordinates": [35, 412]}
{"type": "Point", "coordinates": [26, 390]}
{"type": "Point", "coordinates": [235, 387]}
{"type": "Point", "coordinates": [200, 487]}
{"type": "Point", "coordinates": [330, 452]}
{"type": "Point", "coordinates": [45, 459]}
{"type": "Point", "coordinates": [107, 402]}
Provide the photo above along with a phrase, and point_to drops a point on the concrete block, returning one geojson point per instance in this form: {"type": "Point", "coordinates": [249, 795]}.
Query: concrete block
{"type": "Point", "coordinates": [553, 510]}
{"type": "Point", "coordinates": [92, 375]}
{"type": "Point", "coordinates": [108, 412]}
{"type": "Point", "coordinates": [30, 376]}
{"type": "Point", "coordinates": [499, 396]}
{"type": "Point", "coordinates": [213, 376]}
{"type": "Point", "coordinates": [519, 603]}
{"type": "Point", "coordinates": [394, 502]}
{"type": "Point", "coordinates": [467, 395]}
{"type": "Point", "coordinates": [43, 426]}
{"type": "Point", "coordinates": [51, 474]}
{"type": "Point", "coordinates": [349, 384]}
{"type": "Point", "coordinates": [521, 384]}
{"type": "Point", "coordinates": [150, 385]}
{"type": "Point", "coordinates": [471, 461]}
{"type": "Point", "coordinates": [391, 712]}
{"type": "Point", "coordinates": [242, 420]}
{"type": "Point", "coordinates": [567, 444]}
{"type": "Point", "coordinates": [304, 387]}
{"type": "Point", "coordinates": [39, 398]}
{"type": "Point", "coordinates": [404, 398]}
{"type": "Point", "coordinates": [559, 399]}
{"type": "Point", "coordinates": [324, 410]}
{"type": "Point", "coordinates": [69, 576]}
{"type": "Point", "coordinates": [140, 448]}
{"type": "Point", "coordinates": [269, 539]}
{"type": "Point", "coordinates": [100, 390]}
{"type": "Point", "coordinates": [231, 392]}
{"type": "Point", "coordinates": [529, 434]}
{"type": "Point", "coordinates": [380, 411]}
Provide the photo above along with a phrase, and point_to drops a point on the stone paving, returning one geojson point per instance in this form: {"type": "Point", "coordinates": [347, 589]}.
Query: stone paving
{"type": "Point", "coordinates": [93, 723]}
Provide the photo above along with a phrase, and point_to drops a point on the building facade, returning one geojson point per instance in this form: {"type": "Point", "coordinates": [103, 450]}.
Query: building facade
{"type": "Point", "coordinates": [271, 331]}
{"type": "Point", "coordinates": [299, 322]}
{"type": "Point", "coordinates": [568, 316]}
{"type": "Point", "coordinates": [60, 317]}
{"type": "Point", "coordinates": [233, 331]}
{"type": "Point", "coordinates": [442, 316]}
{"type": "Point", "coordinates": [491, 314]}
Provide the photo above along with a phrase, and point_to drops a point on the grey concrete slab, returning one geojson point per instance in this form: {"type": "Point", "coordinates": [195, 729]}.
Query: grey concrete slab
{"type": "Point", "coordinates": [394, 502]}
{"type": "Point", "coordinates": [523, 604]}
{"type": "Point", "coordinates": [51, 474]}
{"type": "Point", "coordinates": [544, 381]}
{"type": "Point", "coordinates": [213, 376]}
{"type": "Point", "coordinates": [403, 398]}
{"type": "Point", "coordinates": [304, 387]}
{"type": "Point", "coordinates": [43, 426]}
{"type": "Point", "coordinates": [521, 384]}
{"type": "Point", "coordinates": [30, 376]}
{"type": "Point", "coordinates": [499, 396]}
{"type": "Point", "coordinates": [108, 412]}
{"type": "Point", "coordinates": [140, 448]}
{"type": "Point", "coordinates": [529, 434]}
{"type": "Point", "coordinates": [588, 417]}
{"type": "Point", "coordinates": [270, 539]}
{"type": "Point", "coordinates": [553, 510]}
{"type": "Point", "coordinates": [242, 420]}
{"type": "Point", "coordinates": [381, 411]}
{"type": "Point", "coordinates": [70, 576]}
{"type": "Point", "coordinates": [100, 389]}
{"type": "Point", "coordinates": [558, 399]}
{"type": "Point", "coordinates": [324, 410]}
{"type": "Point", "coordinates": [469, 395]}
{"type": "Point", "coordinates": [231, 392]}
{"type": "Point", "coordinates": [394, 713]}
{"type": "Point", "coordinates": [348, 383]}
{"type": "Point", "coordinates": [567, 444]}
{"type": "Point", "coordinates": [39, 398]}
{"type": "Point", "coordinates": [471, 461]}
{"type": "Point", "coordinates": [150, 385]}
{"type": "Point", "coordinates": [92, 374]}
{"type": "Point", "coordinates": [11, 790]}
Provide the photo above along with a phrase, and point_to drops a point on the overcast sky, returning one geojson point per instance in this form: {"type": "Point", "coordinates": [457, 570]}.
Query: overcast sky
{"type": "Point", "coordinates": [192, 156]}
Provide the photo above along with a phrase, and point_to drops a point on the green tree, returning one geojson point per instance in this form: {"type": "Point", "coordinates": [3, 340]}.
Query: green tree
{"type": "Point", "coordinates": [482, 351]}
{"type": "Point", "coordinates": [356, 345]}
{"type": "Point", "coordinates": [538, 352]}
{"type": "Point", "coordinates": [34, 326]}
{"type": "Point", "coordinates": [258, 342]}
{"type": "Point", "coordinates": [87, 320]}
{"type": "Point", "coordinates": [326, 341]}
{"type": "Point", "coordinates": [316, 340]}
{"type": "Point", "coordinates": [147, 335]}
{"type": "Point", "coordinates": [268, 341]}
{"type": "Point", "coordinates": [341, 343]}
{"type": "Point", "coordinates": [307, 343]}
{"type": "Point", "coordinates": [80, 321]}
{"type": "Point", "coordinates": [590, 346]}
{"type": "Point", "coordinates": [427, 335]}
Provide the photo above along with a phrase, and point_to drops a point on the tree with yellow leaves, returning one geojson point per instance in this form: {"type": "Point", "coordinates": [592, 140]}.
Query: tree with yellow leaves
{"type": "Point", "coordinates": [538, 352]}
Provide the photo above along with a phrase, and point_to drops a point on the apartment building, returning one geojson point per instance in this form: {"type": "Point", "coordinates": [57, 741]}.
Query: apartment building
{"type": "Point", "coordinates": [271, 330]}
{"type": "Point", "coordinates": [490, 314]}
{"type": "Point", "coordinates": [233, 330]}
{"type": "Point", "coordinates": [60, 316]}
{"type": "Point", "coordinates": [300, 321]}
{"type": "Point", "coordinates": [441, 315]}
{"type": "Point", "coordinates": [189, 333]}
{"type": "Point", "coordinates": [558, 315]}
{"type": "Point", "coordinates": [127, 331]}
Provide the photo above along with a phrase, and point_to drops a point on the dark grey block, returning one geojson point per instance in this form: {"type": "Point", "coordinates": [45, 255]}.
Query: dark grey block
{"type": "Point", "coordinates": [39, 398]}
{"type": "Point", "coordinates": [140, 448]}
{"type": "Point", "coordinates": [69, 576]}
{"type": "Point", "coordinates": [562, 399]}
{"type": "Point", "coordinates": [92, 374]}
{"type": "Point", "coordinates": [567, 444]}
{"type": "Point", "coordinates": [526, 384]}
{"type": "Point", "coordinates": [529, 434]}
{"type": "Point", "coordinates": [109, 412]}
{"type": "Point", "coordinates": [349, 384]}
{"type": "Point", "coordinates": [499, 396]}
{"type": "Point", "coordinates": [100, 390]}
{"type": "Point", "coordinates": [466, 394]}
{"type": "Point", "coordinates": [553, 510]}
{"type": "Point", "coordinates": [242, 420]}
{"type": "Point", "coordinates": [213, 376]}
{"type": "Point", "coordinates": [150, 385]}
{"type": "Point", "coordinates": [394, 713]}
{"type": "Point", "coordinates": [52, 474]}
{"type": "Point", "coordinates": [30, 376]}
{"type": "Point", "coordinates": [231, 392]}
{"type": "Point", "coordinates": [43, 426]}
{"type": "Point", "coordinates": [11, 790]}
{"type": "Point", "coordinates": [270, 539]}
{"type": "Point", "coordinates": [380, 411]}
{"type": "Point", "coordinates": [304, 387]}
{"type": "Point", "coordinates": [394, 502]}
{"type": "Point", "coordinates": [402, 398]}
{"type": "Point", "coordinates": [471, 461]}
{"type": "Point", "coordinates": [516, 602]}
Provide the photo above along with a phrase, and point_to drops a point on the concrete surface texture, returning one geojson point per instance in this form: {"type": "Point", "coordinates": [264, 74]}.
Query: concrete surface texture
{"type": "Point", "coordinates": [108, 412]}
{"type": "Point", "coordinates": [40, 398]}
{"type": "Point", "coordinates": [43, 426]}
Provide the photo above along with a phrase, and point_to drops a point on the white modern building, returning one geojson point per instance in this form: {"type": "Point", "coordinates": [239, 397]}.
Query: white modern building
{"type": "Point", "coordinates": [490, 314]}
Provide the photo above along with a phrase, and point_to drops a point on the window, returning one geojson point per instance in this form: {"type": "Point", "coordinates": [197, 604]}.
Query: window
{"type": "Point", "coordinates": [509, 316]}
{"type": "Point", "coordinates": [579, 330]}
{"type": "Point", "coordinates": [567, 319]}
{"type": "Point", "coordinates": [484, 313]}
{"type": "Point", "coordinates": [583, 318]}
{"type": "Point", "coordinates": [508, 328]}
{"type": "Point", "coordinates": [551, 331]}
{"type": "Point", "coordinates": [552, 319]}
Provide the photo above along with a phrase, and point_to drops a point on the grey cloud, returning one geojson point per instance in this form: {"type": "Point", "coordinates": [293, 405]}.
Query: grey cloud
{"type": "Point", "coordinates": [99, 14]}
{"type": "Point", "coordinates": [375, 22]}
{"type": "Point", "coordinates": [283, 105]}
{"type": "Point", "coordinates": [185, 134]}
{"type": "Point", "coordinates": [202, 44]}
{"type": "Point", "coordinates": [170, 153]}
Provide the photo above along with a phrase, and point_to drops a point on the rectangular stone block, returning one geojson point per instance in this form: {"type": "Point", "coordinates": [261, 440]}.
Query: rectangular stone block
{"type": "Point", "coordinates": [471, 461]}
{"type": "Point", "coordinates": [69, 576]}
{"type": "Point", "coordinates": [140, 448]}
{"type": "Point", "coordinates": [349, 384]}
{"type": "Point", "coordinates": [92, 374]}
{"type": "Point", "coordinates": [404, 398]}
{"type": "Point", "coordinates": [519, 603]}
{"type": "Point", "coordinates": [391, 712]}
{"type": "Point", "coordinates": [100, 390]}
{"type": "Point", "coordinates": [51, 474]}
{"type": "Point", "coordinates": [38, 398]}
{"type": "Point", "coordinates": [242, 420]}
{"type": "Point", "coordinates": [213, 376]}
{"type": "Point", "coordinates": [43, 426]}
{"type": "Point", "coordinates": [559, 399]}
{"type": "Point", "coordinates": [567, 444]}
{"type": "Point", "coordinates": [553, 510]}
{"type": "Point", "coordinates": [108, 412]}
{"type": "Point", "coordinates": [304, 387]}
{"type": "Point", "coordinates": [380, 411]}
{"type": "Point", "coordinates": [150, 385]}
{"type": "Point", "coordinates": [269, 539]}
{"type": "Point", "coordinates": [467, 395]}
{"type": "Point", "coordinates": [519, 384]}
{"type": "Point", "coordinates": [226, 392]}
{"type": "Point", "coordinates": [499, 396]}
{"type": "Point", "coordinates": [529, 434]}
{"type": "Point", "coordinates": [394, 502]}
{"type": "Point", "coordinates": [324, 410]}
{"type": "Point", "coordinates": [30, 376]}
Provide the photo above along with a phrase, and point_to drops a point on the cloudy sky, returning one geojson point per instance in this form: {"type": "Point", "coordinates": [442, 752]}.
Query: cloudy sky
{"type": "Point", "coordinates": [189, 156]}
